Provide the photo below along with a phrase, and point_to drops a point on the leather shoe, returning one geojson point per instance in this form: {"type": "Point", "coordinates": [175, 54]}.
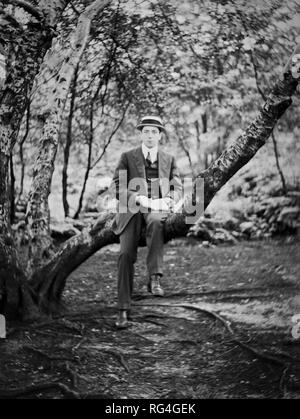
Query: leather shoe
{"type": "Point", "coordinates": [122, 322]}
{"type": "Point", "coordinates": [155, 287]}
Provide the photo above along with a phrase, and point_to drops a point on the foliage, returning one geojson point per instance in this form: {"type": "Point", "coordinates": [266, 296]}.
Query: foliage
{"type": "Point", "coordinates": [182, 59]}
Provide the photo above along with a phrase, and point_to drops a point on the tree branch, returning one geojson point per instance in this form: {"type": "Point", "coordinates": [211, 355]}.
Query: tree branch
{"type": "Point", "coordinates": [76, 250]}
{"type": "Point", "coordinates": [111, 136]}
{"type": "Point", "coordinates": [256, 76]}
{"type": "Point", "coordinates": [258, 354]}
{"type": "Point", "coordinates": [284, 188]}
{"type": "Point", "coordinates": [38, 214]}
{"type": "Point", "coordinates": [10, 19]}
{"type": "Point", "coordinates": [272, 135]}
{"type": "Point", "coordinates": [37, 388]}
{"type": "Point", "coordinates": [29, 8]}
{"type": "Point", "coordinates": [74, 9]}
{"type": "Point", "coordinates": [252, 139]}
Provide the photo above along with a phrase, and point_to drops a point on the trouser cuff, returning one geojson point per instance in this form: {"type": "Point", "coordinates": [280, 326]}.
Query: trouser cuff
{"type": "Point", "coordinates": [124, 306]}
{"type": "Point", "coordinates": [155, 272]}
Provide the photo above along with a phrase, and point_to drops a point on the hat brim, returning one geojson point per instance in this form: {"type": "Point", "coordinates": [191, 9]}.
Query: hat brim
{"type": "Point", "coordinates": [151, 125]}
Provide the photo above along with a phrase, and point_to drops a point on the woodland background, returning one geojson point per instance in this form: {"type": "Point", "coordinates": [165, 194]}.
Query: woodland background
{"type": "Point", "coordinates": [75, 77]}
{"type": "Point", "coordinates": [205, 68]}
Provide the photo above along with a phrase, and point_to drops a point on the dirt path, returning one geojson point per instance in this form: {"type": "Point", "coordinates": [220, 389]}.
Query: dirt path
{"type": "Point", "coordinates": [174, 347]}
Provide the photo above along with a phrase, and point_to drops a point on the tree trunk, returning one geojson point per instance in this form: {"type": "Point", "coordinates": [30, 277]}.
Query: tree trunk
{"type": "Point", "coordinates": [218, 151]}
{"type": "Point", "coordinates": [50, 280]}
{"type": "Point", "coordinates": [25, 47]}
{"type": "Point", "coordinates": [12, 189]}
{"type": "Point", "coordinates": [47, 282]}
{"type": "Point", "coordinates": [254, 137]}
{"type": "Point", "coordinates": [113, 132]}
{"type": "Point", "coordinates": [204, 131]}
{"type": "Point", "coordinates": [184, 147]}
{"type": "Point", "coordinates": [198, 142]}
{"type": "Point", "coordinates": [205, 160]}
{"type": "Point", "coordinates": [90, 166]}
{"type": "Point", "coordinates": [21, 154]}
{"type": "Point", "coordinates": [38, 216]}
{"type": "Point", "coordinates": [89, 162]}
{"type": "Point", "coordinates": [283, 183]}
{"type": "Point", "coordinates": [68, 146]}
{"type": "Point", "coordinates": [260, 91]}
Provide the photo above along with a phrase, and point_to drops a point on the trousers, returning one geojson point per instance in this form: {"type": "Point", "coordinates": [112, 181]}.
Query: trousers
{"type": "Point", "coordinates": [129, 240]}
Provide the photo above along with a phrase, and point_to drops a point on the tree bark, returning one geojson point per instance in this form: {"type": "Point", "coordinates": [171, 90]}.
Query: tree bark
{"type": "Point", "coordinates": [50, 280]}
{"type": "Point", "coordinates": [254, 137]}
{"type": "Point", "coordinates": [184, 147]}
{"type": "Point", "coordinates": [275, 147]}
{"type": "Point", "coordinates": [24, 48]}
{"type": "Point", "coordinates": [47, 282]}
{"type": "Point", "coordinates": [283, 182]}
{"type": "Point", "coordinates": [204, 131]}
{"type": "Point", "coordinates": [21, 154]}
{"type": "Point", "coordinates": [113, 132]}
{"type": "Point", "coordinates": [38, 216]}
{"type": "Point", "coordinates": [89, 162]}
{"type": "Point", "coordinates": [198, 142]}
{"type": "Point", "coordinates": [68, 146]}
{"type": "Point", "coordinates": [90, 166]}
{"type": "Point", "coordinates": [12, 189]}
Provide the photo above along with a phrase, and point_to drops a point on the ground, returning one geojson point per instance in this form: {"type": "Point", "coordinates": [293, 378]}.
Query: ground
{"type": "Point", "coordinates": [223, 330]}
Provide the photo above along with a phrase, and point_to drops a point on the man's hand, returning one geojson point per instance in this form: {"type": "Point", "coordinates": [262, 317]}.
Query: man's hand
{"type": "Point", "coordinates": [169, 202]}
{"type": "Point", "coordinates": [143, 201]}
{"type": "Point", "coordinates": [160, 205]}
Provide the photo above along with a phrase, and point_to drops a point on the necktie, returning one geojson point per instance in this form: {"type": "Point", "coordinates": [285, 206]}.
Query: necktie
{"type": "Point", "coordinates": [148, 158]}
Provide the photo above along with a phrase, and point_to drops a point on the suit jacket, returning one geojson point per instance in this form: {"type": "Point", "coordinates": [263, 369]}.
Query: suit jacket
{"type": "Point", "coordinates": [132, 162]}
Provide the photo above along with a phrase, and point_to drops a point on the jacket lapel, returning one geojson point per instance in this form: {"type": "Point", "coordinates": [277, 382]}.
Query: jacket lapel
{"type": "Point", "coordinates": [163, 165]}
{"type": "Point", "coordinates": [164, 162]}
{"type": "Point", "coordinates": [139, 162]}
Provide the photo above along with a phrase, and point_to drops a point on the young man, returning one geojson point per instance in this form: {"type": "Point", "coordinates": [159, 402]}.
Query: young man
{"type": "Point", "coordinates": [147, 186]}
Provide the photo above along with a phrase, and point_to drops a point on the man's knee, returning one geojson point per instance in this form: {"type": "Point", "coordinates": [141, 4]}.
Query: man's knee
{"type": "Point", "coordinates": [155, 221]}
{"type": "Point", "coordinates": [129, 255]}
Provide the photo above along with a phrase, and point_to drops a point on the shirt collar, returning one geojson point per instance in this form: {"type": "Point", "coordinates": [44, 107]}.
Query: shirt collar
{"type": "Point", "coordinates": [153, 152]}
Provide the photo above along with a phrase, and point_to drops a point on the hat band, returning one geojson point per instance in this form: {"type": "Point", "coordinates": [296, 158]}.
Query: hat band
{"type": "Point", "coordinates": [150, 122]}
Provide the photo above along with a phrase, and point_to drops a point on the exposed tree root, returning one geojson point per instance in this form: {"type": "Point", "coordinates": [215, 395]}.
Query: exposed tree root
{"type": "Point", "coordinates": [58, 321]}
{"type": "Point", "coordinates": [237, 291]}
{"type": "Point", "coordinates": [37, 388]}
{"type": "Point", "coordinates": [258, 354]}
{"type": "Point", "coordinates": [113, 352]}
{"type": "Point", "coordinates": [56, 385]}
{"type": "Point", "coordinates": [49, 357]}
{"type": "Point", "coordinates": [225, 322]}
{"type": "Point", "coordinates": [119, 357]}
{"type": "Point", "coordinates": [142, 337]}
{"type": "Point", "coordinates": [73, 374]}
{"type": "Point", "coordinates": [76, 347]}
{"type": "Point", "coordinates": [282, 383]}
{"type": "Point", "coordinates": [54, 334]}
{"type": "Point", "coordinates": [146, 319]}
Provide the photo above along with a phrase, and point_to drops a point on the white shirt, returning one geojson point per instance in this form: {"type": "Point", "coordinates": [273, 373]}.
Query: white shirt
{"type": "Point", "coordinates": [153, 152]}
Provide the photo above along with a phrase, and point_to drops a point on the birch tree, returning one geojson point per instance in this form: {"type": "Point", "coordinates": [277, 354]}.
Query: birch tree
{"type": "Point", "coordinates": [39, 289]}
{"type": "Point", "coordinates": [25, 38]}
{"type": "Point", "coordinates": [48, 282]}
{"type": "Point", "coordinates": [38, 215]}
